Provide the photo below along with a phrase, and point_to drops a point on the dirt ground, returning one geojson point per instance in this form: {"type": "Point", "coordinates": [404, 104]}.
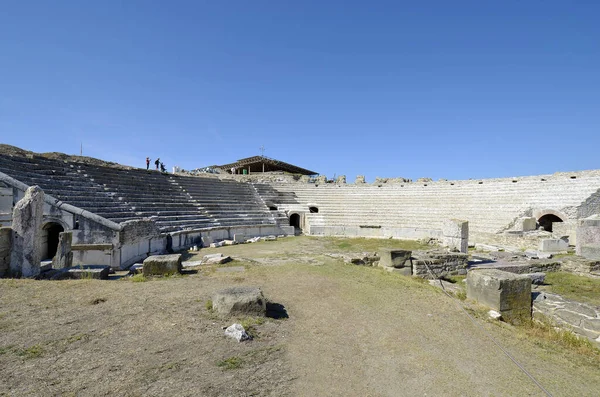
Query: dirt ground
{"type": "Point", "coordinates": [352, 331]}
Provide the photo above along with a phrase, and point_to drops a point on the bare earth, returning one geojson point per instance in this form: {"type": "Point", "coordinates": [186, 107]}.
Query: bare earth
{"type": "Point", "coordinates": [353, 331]}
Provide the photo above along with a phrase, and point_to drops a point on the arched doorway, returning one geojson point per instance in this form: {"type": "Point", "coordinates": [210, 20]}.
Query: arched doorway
{"type": "Point", "coordinates": [545, 221]}
{"type": "Point", "coordinates": [50, 234]}
{"type": "Point", "coordinates": [295, 221]}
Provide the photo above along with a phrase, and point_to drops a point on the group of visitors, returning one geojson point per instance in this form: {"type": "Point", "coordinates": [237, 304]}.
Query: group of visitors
{"type": "Point", "coordinates": [157, 163]}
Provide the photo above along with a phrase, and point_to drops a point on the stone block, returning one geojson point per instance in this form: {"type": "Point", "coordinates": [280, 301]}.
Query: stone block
{"type": "Point", "coordinates": [588, 238]}
{"type": "Point", "coordinates": [64, 256]}
{"type": "Point", "coordinates": [553, 245]}
{"type": "Point", "coordinates": [507, 293]}
{"type": "Point", "coordinates": [239, 238]}
{"type": "Point", "coordinates": [395, 258]}
{"type": "Point", "coordinates": [162, 265]}
{"type": "Point", "coordinates": [526, 224]}
{"type": "Point", "coordinates": [215, 259]}
{"type": "Point", "coordinates": [240, 300]}
{"type": "Point", "coordinates": [455, 228]}
{"type": "Point", "coordinates": [27, 228]}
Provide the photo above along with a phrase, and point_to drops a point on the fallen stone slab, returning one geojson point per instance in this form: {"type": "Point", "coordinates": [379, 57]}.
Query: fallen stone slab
{"type": "Point", "coordinates": [157, 265]}
{"type": "Point", "coordinates": [237, 332]}
{"type": "Point", "coordinates": [215, 259]}
{"type": "Point", "coordinates": [253, 240]}
{"type": "Point", "coordinates": [96, 272]}
{"type": "Point", "coordinates": [187, 264]}
{"type": "Point", "coordinates": [270, 238]}
{"type": "Point", "coordinates": [240, 300]}
{"type": "Point", "coordinates": [136, 268]}
{"type": "Point", "coordinates": [229, 242]}
{"type": "Point", "coordinates": [217, 244]}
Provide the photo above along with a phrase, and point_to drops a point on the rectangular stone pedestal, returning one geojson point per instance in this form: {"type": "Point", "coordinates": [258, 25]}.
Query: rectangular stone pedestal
{"type": "Point", "coordinates": [507, 293]}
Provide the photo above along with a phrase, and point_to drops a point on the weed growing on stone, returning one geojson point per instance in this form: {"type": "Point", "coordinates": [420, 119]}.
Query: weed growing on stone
{"type": "Point", "coordinates": [209, 305]}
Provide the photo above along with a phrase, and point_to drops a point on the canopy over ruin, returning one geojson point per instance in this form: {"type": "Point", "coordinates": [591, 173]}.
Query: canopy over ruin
{"type": "Point", "coordinates": [264, 164]}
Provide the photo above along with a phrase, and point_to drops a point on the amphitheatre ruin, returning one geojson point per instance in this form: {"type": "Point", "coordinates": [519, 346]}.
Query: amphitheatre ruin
{"type": "Point", "coordinates": [116, 217]}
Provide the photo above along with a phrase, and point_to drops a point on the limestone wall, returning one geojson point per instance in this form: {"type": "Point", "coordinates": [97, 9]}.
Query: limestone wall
{"type": "Point", "coordinates": [490, 206]}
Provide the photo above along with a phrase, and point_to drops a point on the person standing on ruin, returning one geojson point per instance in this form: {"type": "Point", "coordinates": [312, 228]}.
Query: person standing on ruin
{"type": "Point", "coordinates": [147, 163]}
{"type": "Point", "coordinates": [157, 162]}
{"type": "Point", "coordinates": [162, 167]}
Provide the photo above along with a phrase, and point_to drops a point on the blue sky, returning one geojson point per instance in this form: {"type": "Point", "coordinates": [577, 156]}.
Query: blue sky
{"type": "Point", "coordinates": [440, 89]}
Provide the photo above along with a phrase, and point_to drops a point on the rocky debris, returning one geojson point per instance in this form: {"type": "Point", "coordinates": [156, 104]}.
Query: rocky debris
{"type": "Point", "coordinates": [581, 266]}
{"type": "Point", "coordinates": [536, 278]}
{"type": "Point", "coordinates": [162, 265]}
{"type": "Point", "coordinates": [359, 179]}
{"type": "Point", "coordinates": [253, 239]}
{"type": "Point", "coordinates": [217, 244]}
{"type": "Point", "coordinates": [270, 238]}
{"type": "Point", "coordinates": [215, 259]}
{"type": "Point", "coordinates": [240, 300]}
{"type": "Point", "coordinates": [532, 254]}
{"type": "Point", "coordinates": [341, 180]}
{"type": "Point", "coordinates": [424, 180]}
{"type": "Point", "coordinates": [361, 258]}
{"type": "Point", "coordinates": [27, 228]}
{"type": "Point", "coordinates": [237, 332]}
{"type": "Point", "coordinates": [494, 315]}
{"type": "Point", "coordinates": [229, 242]}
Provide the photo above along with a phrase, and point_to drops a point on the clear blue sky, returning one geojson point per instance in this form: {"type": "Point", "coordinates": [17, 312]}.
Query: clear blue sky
{"type": "Point", "coordinates": [441, 89]}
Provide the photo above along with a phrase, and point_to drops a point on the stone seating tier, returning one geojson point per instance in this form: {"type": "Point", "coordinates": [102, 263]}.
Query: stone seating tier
{"type": "Point", "coordinates": [175, 202]}
{"type": "Point", "coordinates": [490, 207]}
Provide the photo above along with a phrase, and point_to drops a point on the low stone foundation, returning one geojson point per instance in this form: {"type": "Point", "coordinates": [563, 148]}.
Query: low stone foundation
{"type": "Point", "coordinates": [441, 264]}
{"type": "Point", "coordinates": [162, 265]}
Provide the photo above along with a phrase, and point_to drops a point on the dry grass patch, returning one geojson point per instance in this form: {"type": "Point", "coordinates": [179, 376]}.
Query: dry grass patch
{"type": "Point", "coordinates": [574, 287]}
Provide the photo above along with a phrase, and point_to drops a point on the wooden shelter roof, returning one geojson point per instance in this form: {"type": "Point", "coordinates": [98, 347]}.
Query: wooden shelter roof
{"type": "Point", "coordinates": [255, 164]}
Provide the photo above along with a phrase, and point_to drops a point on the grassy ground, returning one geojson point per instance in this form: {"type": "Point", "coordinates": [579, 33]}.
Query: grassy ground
{"type": "Point", "coordinates": [574, 287]}
{"type": "Point", "coordinates": [352, 330]}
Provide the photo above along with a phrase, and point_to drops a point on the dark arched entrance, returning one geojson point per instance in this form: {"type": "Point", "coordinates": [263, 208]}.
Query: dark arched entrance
{"type": "Point", "coordinates": [51, 232]}
{"type": "Point", "coordinates": [295, 221]}
{"type": "Point", "coordinates": [545, 221]}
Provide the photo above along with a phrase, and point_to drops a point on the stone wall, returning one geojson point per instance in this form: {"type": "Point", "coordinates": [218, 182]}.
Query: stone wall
{"type": "Point", "coordinates": [5, 250]}
{"type": "Point", "coordinates": [440, 263]}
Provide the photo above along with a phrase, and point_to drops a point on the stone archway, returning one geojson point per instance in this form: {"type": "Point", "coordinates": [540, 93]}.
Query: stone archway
{"type": "Point", "coordinates": [49, 237]}
{"type": "Point", "coordinates": [545, 221]}
{"type": "Point", "coordinates": [295, 221]}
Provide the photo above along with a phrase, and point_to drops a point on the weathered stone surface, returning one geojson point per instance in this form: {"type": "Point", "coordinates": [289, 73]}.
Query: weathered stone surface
{"type": "Point", "coordinates": [395, 258]}
{"type": "Point", "coordinates": [341, 179]}
{"type": "Point", "coordinates": [240, 300]}
{"type": "Point", "coordinates": [64, 255]}
{"type": "Point", "coordinates": [536, 278]}
{"type": "Point", "coordinates": [229, 242]}
{"type": "Point", "coordinates": [360, 179]}
{"type": "Point", "coordinates": [321, 179]}
{"type": "Point", "coordinates": [270, 238]}
{"type": "Point", "coordinates": [507, 293]}
{"type": "Point", "coordinates": [440, 263]}
{"type": "Point", "coordinates": [217, 244]}
{"type": "Point", "coordinates": [405, 271]}
{"type": "Point", "coordinates": [553, 245]}
{"type": "Point", "coordinates": [5, 250]}
{"type": "Point", "coordinates": [27, 227]}
{"type": "Point", "coordinates": [162, 265]}
{"type": "Point", "coordinates": [136, 268]}
{"type": "Point", "coordinates": [526, 224]}
{"type": "Point", "coordinates": [237, 332]}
